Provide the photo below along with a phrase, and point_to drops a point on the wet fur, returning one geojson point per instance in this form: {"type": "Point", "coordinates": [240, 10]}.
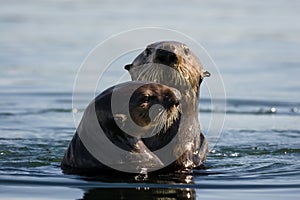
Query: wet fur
{"type": "Point", "coordinates": [77, 158]}
{"type": "Point", "coordinates": [186, 74]}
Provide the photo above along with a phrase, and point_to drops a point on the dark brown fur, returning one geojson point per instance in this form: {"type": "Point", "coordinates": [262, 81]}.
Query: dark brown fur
{"type": "Point", "coordinates": [78, 159]}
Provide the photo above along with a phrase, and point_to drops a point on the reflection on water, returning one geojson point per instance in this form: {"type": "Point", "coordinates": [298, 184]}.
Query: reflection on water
{"type": "Point", "coordinates": [254, 43]}
{"type": "Point", "coordinates": [140, 193]}
{"type": "Point", "coordinates": [151, 186]}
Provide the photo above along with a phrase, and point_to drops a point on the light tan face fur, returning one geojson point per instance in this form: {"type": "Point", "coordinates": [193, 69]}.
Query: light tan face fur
{"type": "Point", "coordinates": [170, 63]}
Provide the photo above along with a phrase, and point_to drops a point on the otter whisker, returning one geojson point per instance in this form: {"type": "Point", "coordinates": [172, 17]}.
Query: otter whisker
{"type": "Point", "coordinates": [159, 121]}
{"type": "Point", "coordinates": [159, 73]}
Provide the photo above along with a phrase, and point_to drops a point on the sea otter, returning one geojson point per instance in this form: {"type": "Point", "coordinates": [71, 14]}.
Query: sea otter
{"type": "Point", "coordinates": [174, 64]}
{"type": "Point", "coordinates": [114, 125]}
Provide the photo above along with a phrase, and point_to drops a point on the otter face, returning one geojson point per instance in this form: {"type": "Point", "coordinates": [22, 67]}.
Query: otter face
{"type": "Point", "coordinates": [155, 105]}
{"type": "Point", "coordinates": [170, 63]}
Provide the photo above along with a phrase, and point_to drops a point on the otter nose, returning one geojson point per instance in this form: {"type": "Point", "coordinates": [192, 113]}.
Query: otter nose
{"type": "Point", "coordinates": [169, 102]}
{"type": "Point", "coordinates": [165, 57]}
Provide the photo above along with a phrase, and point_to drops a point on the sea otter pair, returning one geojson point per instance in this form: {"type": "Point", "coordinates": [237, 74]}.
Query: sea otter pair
{"type": "Point", "coordinates": [147, 124]}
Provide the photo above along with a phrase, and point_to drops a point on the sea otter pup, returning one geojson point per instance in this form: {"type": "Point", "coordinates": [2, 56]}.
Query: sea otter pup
{"type": "Point", "coordinates": [111, 132]}
{"type": "Point", "coordinates": [174, 64]}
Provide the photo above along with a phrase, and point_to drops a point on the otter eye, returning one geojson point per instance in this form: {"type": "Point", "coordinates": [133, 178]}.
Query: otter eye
{"type": "Point", "coordinates": [146, 98]}
{"type": "Point", "coordinates": [148, 52]}
{"type": "Point", "coordinates": [186, 50]}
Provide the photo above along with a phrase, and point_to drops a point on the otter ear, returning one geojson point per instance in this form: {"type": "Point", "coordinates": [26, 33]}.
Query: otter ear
{"type": "Point", "coordinates": [127, 67]}
{"type": "Point", "coordinates": [206, 74]}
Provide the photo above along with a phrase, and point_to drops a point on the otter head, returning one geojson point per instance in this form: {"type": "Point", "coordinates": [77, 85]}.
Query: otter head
{"type": "Point", "coordinates": [170, 63]}
{"type": "Point", "coordinates": [155, 106]}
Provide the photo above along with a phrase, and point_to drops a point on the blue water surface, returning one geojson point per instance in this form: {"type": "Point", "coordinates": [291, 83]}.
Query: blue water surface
{"type": "Point", "coordinates": [255, 45]}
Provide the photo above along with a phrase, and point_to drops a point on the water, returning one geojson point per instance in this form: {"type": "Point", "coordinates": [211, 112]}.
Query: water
{"type": "Point", "coordinates": [255, 44]}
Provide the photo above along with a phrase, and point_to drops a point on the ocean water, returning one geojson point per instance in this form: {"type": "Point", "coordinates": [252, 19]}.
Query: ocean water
{"type": "Point", "coordinates": [255, 45]}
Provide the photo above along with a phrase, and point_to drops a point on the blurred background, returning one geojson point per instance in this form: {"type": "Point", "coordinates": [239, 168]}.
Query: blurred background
{"type": "Point", "coordinates": [255, 45]}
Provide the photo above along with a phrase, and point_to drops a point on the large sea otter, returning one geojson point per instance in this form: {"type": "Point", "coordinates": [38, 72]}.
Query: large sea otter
{"type": "Point", "coordinates": [174, 64]}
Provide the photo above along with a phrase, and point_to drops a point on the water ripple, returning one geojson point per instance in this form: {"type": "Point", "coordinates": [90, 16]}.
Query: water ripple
{"type": "Point", "coordinates": [251, 107]}
{"type": "Point", "coordinates": [50, 181]}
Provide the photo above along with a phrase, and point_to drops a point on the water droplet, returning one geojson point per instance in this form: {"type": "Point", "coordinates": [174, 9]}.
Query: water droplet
{"type": "Point", "coordinates": [188, 179]}
{"type": "Point", "coordinates": [234, 154]}
{"type": "Point", "coordinates": [74, 110]}
{"type": "Point", "coordinates": [294, 110]}
{"type": "Point", "coordinates": [188, 195]}
{"type": "Point", "coordinates": [273, 110]}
